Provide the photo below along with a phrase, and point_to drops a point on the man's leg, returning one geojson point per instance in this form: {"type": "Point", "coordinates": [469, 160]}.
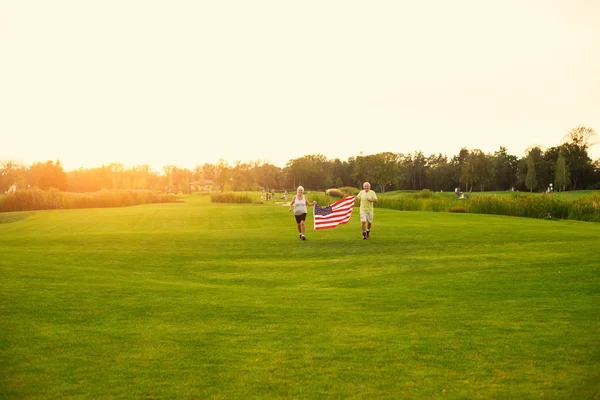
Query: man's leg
{"type": "Point", "coordinates": [369, 223]}
{"type": "Point", "coordinates": [363, 224]}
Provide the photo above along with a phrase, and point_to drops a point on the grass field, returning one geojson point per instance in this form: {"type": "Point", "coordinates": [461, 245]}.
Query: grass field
{"type": "Point", "coordinates": [222, 301]}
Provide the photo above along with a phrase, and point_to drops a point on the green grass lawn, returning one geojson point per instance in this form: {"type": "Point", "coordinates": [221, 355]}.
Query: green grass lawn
{"type": "Point", "coordinates": [223, 301]}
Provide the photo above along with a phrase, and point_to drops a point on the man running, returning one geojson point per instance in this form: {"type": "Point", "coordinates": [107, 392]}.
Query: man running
{"type": "Point", "coordinates": [367, 198]}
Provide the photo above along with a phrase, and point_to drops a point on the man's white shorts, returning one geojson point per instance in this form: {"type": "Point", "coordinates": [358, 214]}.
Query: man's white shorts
{"type": "Point", "coordinates": [366, 217]}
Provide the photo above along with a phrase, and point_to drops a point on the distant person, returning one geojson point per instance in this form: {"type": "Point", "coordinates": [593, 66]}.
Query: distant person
{"type": "Point", "coordinates": [285, 195]}
{"type": "Point", "coordinates": [299, 203]}
{"type": "Point", "coordinates": [367, 197]}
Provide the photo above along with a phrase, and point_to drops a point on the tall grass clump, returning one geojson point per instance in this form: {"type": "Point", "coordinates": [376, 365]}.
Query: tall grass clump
{"type": "Point", "coordinates": [52, 199]}
{"type": "Point", "coordinates": [520, 206]}
{"type": "Point", "coordinates": [404, 203]}
{"type": "Point", "coordinates": [586, 208]}
{"type": "Point", "coordinates": [323, 199]}
{"type": "Point", "coordinates": [230, 197]}
{"type": "Point", "coordinates": [423, 194]}
{"type": "Point", "coordinates": [348, 190]}
{"type": "Point", "coordinates": [334, 193]}
{"type": "Point", "coordinates": [424, 200]}
{"type": "Point", "coordinates": [438, 204]}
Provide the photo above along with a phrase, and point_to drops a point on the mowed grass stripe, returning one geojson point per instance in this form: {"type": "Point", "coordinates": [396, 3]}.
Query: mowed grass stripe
{"type": "Point", "coordinates": [223, 301]}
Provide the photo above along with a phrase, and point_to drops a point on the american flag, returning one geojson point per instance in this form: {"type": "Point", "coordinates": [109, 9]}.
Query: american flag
{"type": "Point", "coordinates": [334, 214]}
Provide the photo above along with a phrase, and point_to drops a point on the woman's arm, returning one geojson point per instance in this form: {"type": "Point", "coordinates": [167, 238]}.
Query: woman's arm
{"type": "Point", "coordinates": [292, 203]}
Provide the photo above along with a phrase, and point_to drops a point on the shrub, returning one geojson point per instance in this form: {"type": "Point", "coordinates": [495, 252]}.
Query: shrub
{"type": "Point", "coordinates": [334, 193]}
{"type": "Point", "coordinates": [322, 199]}
{"type": "Point", "coordinates": [37, 199]}
{"type": "Point", "coordinates": [586, 208]}
{"type": "Point", "coordinates": [404, 203]}
{"type": "Point", "coordinates": [437, 204]}
{"type": "Point", "coordinates": [519, 206]}
{"type": "Point", "coordinates": [347, 190]}
{"type": "Point", "coordinates": [27, 199]}
{"type": "Point", "coordinates": [423, 194]}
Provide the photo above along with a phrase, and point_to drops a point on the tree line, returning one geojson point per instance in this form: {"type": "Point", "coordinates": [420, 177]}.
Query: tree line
{"type": "Point", "coordinates": [564, 167]}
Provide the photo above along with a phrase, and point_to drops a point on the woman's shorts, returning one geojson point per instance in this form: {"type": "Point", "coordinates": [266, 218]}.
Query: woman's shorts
{"type": "Point", "coordinates": [301, 217]}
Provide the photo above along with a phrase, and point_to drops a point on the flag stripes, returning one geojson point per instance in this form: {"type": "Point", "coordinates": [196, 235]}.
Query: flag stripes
{"type": "Point", "coordinates": [334, 214]}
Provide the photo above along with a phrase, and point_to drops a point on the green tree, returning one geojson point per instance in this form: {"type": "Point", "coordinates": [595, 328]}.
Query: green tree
{"type": "Point", "coordinates": [482, 169]}
{"type": "Point", "coordinates": [209, 171]}
{"type": "Point", "coordinates": [223, 175]}
{"type": "Point", "coordinates": [596, 176]}
{"type": "Point", "coordinates": [12, 173]}
{"type": "Point", "coordinates": [536, 154]}
{"type": "Point", "coordinates": [521, 173]}
{"type": "Point", "coordinates": [531, 178]}
{"type": "Point", "coordinates": [268, 176]}
{"type": "Point", "coordinates": [181, 178]}
{"type": "Point", "coordinates": [88, 180]}
{"type": "Point", "coordinates": [440, 173]}
{"type": "Point", "coordinates": [546, 171]}
{"type": "Point", "coordinates": [576, 142]}
{"type": "Point", "coordinates": [505, 166]}
{"type": "Point", "coordinates": [167, 179]}
{"type": "Point", "coordinates": [140, 176]}
{"type": "Point", "coordinates": [467, 174]}
{"type": "Point", "coordinates": [116, 172]}
{"type": "Point", "coordinates": [381, 170]}
{"type": "Point", "coordinates": [309, 171]}
{"type": "Point", "coordinates": [47, 175]}
{"type": "Point", "coordinates": [562, 175]}
{"type": "Point", "coordinates": [241, 176]}
{"type": "Point", "coordinates": [403, 180]}
{"type": "Point", "coordinates": [418, 171]}
{"type": "Point", "coordinates": [340, 173]}
{"type": "Point", "coordinates": [459, 162]}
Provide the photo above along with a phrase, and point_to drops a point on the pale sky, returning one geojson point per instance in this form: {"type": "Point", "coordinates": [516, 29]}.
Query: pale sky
{"type": "Point", "coordinates": [188, 82]}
